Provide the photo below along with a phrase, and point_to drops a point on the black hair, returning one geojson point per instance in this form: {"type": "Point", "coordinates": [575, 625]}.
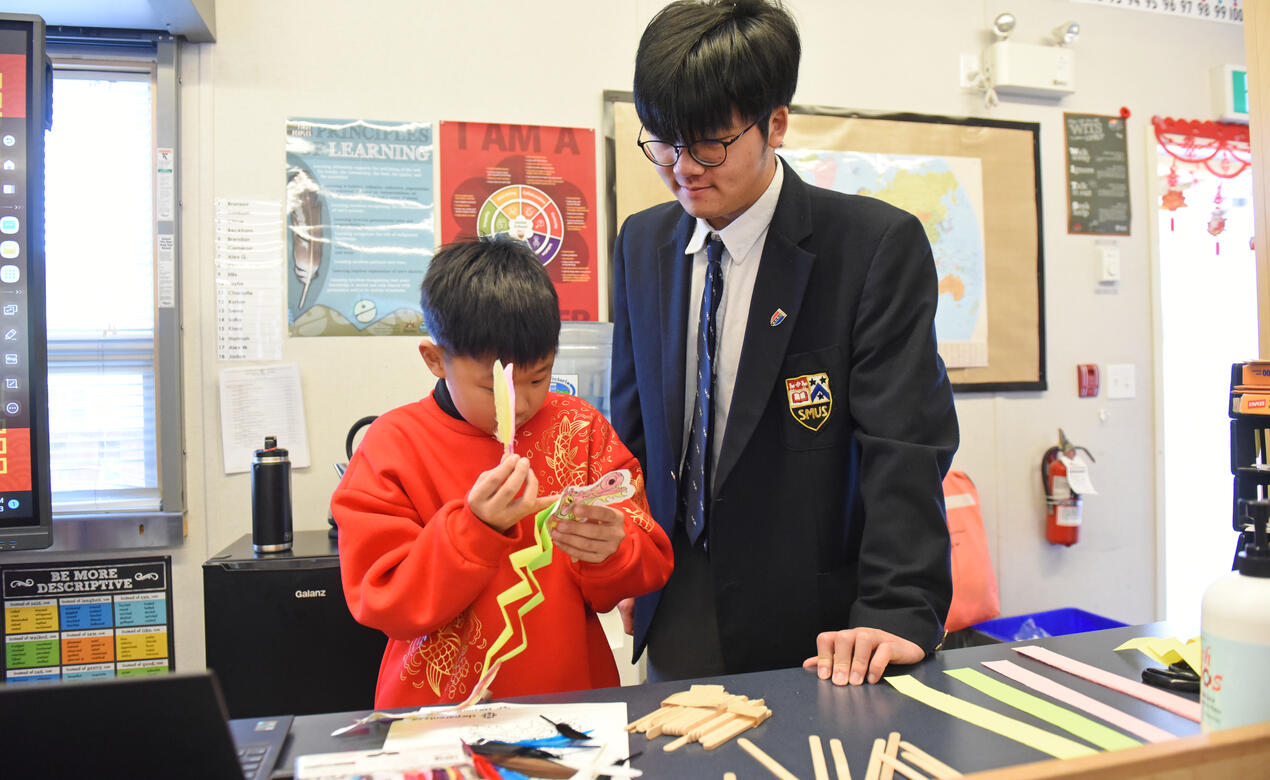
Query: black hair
{"type": "Point", "coordinates": [699, 60]}
{"type": "Point", "coordinates": [491, 298]}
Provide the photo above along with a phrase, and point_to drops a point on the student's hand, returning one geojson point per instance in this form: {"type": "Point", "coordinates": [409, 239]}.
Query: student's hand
{"type": "Point", "coordinates": [595, 535]}
{"type": "Point", "coordinates": [503, 495]}
{"type": "Point", "coordinates": [850, 654]}
{"type": "Point", "coordinates": [626, 608]}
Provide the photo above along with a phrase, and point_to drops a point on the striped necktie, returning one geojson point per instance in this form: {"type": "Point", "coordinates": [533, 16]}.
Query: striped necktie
{"type": "Point", "coordinates": [697, 461]}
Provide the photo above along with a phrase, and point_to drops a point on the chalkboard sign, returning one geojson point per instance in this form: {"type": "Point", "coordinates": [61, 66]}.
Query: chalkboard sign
{"type": "Point", "coordinates": [1097, 175]}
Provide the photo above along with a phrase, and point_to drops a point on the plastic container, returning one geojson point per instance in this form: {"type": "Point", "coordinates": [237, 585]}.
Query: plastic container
{"type": "Point", "coordinates": [583, 362]}
{"type": "Point", "coordinates": [1056, 622]}
{"type": "Point", "coordinates": [1235, 636]}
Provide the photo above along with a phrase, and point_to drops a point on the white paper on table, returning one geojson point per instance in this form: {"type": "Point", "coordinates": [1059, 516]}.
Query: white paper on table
{"type": "Point", "coordinates": [604, 722]}
{"type": "Point", "coordinates": [260, 402]}
{"type": "Point", "coordinates": [379, 763]}
{"type": "Point", "coordinates": [1078, 475]}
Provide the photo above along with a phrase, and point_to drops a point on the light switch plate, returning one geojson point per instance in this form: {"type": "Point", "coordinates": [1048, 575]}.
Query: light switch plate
{"type": "Point", "coordinates": [1120, 380]}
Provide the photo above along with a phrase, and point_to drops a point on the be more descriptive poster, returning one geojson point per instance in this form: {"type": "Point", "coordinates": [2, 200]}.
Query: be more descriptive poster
{"type": "Point", "coordinates": [87, 619]}
{"type": "Point", "coordinates": [532, 182]}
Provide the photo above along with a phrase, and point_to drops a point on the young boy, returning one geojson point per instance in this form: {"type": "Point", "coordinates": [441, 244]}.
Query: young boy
{"type": "Point", "coordinates": [430, 507]}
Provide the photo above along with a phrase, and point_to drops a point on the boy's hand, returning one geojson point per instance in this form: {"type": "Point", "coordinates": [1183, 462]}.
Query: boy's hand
{"type": "Point", "coordinates": [595, 535]}
{"type": "Point", "coordinates": [850, 654]}
{"type": "Point", "coordinates": [494, 496]}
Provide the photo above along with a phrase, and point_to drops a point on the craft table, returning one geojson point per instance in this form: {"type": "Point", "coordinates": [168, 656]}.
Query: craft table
{"type": "Point", "coordinates": [802, 705]}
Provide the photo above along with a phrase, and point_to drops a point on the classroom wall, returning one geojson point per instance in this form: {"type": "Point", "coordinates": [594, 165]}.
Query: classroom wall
{"type": "Point", "coordinates": [548, 63]}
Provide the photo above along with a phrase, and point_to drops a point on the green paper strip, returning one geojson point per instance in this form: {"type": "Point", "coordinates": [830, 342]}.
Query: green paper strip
{"type": "Point", "coordinates": [1089, 730]}
{"type": "Point", "coordinates": [524, 562]}
{"type": "Point", "coordinates": [1010, 728]}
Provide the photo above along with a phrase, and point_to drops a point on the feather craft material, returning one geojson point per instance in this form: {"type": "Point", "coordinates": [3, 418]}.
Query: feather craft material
{"type": "Point", "coordinates": [504, 406]}
{"type": "Point", "coordinates": [304, 220]}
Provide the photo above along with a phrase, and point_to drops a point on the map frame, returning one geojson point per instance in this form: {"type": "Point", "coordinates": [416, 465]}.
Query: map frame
{"type": "Point", "coordinates": [1009, 152]}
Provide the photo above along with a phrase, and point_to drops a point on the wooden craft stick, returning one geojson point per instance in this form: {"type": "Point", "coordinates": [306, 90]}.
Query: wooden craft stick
{"type": "Point", "coordinates": [896, 765]}
{"type": "Point", "coordinates": [839, 759]}
{"type": "Point", "coordinates": [690, 719]}
{"type": "Point", "coordinates": [729, 776]}
{"type": "Point", "coordinates": [725, 732]}
{"type": "Point", "coordinates": [926, 762]}
{"type": "Point", "coordinates": [817, 758]}
{"type": "Point", "coordinates": [875, 763]}
{"type": "Point", "coordinates": [767, 761]}
{"type": "Point", "coordinates": [888, 771]}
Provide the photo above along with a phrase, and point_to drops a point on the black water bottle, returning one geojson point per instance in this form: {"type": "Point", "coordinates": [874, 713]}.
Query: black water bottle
{"type": "Point", "coordinates": [271, 499]}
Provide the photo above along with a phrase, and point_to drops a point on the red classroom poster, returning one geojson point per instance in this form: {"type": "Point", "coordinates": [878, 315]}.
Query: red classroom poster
{"type": "Point", "coordinates": [536, 183]}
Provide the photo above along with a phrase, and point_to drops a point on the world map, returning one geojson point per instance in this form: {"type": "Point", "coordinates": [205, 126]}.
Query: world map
{"type": "Point", "coordinates": [946, 195]}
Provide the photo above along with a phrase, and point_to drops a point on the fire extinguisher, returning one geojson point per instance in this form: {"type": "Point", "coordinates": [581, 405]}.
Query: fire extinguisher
{"type": "Point", "coordinates": [1062, 504]}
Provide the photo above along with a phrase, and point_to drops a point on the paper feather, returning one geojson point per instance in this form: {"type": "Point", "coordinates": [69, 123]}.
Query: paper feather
{"type": "Point", "coordinates": [504, 405]}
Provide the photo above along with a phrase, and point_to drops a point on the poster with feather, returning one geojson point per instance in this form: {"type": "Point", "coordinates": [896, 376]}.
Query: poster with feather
{"type": "Point", "coordinates": [359, 237]}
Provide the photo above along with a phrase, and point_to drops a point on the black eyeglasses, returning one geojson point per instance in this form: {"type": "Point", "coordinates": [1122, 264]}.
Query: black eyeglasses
{"type": "Point", "coordinates": [710, 152]}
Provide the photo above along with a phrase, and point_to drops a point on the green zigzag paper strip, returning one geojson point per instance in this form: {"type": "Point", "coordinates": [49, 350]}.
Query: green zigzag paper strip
{"type": "Point", "coordinates": [524, 561]}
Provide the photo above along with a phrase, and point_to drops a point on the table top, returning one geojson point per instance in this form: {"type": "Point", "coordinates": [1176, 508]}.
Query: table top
{"type": "Point", "coordinates": [803, 705]}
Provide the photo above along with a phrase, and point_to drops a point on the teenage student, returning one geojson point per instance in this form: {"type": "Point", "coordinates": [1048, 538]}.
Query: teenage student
{"type": "Point", "coordinates": [775, 372]}
{"type": "Point", "coordinates": [430, 508]}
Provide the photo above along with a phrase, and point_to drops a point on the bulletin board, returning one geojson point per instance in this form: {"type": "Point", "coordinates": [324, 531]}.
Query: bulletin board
{"type": "Point", "coordinates": [1008, 155]}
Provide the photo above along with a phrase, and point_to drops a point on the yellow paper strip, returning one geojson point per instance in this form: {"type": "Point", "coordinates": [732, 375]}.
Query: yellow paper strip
{"type": "Point", "coordinates": [1010, 728]}
{"type": "Point", "coordinates": [1167, 650]}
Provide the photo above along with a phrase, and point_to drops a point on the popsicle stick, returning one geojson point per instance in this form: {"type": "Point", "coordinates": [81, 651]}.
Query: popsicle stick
{"type": "Point", "coordinates": [729, 776]}
{"type": "Point", "coordinates": [896, 765]}
{"type": "Point", "coordinates": [725, 732]}
{"type": "Point", "coordinates": [839, 759]}
{"type": "Point", "coordinates": [818, 758]}
{"type": "Point", "coordinates": [887, 772]}
{"type": "Point", "coordinates": [926, 762]}
{"type": "Point", "coordinates": [875, 763]}
{"type": "Point", "coordinates": [771, 764]}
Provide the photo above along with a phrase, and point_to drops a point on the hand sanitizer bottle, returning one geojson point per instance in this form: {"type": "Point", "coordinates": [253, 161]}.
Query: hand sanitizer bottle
{"type": "Point", "coordinates": [1235, 635]}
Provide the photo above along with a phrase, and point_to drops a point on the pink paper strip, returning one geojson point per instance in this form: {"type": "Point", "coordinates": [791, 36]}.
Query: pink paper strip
{"type": "Point", "coordinates": [1080, 701]}
{"type": "Point", "coordinates": [1171, 702]}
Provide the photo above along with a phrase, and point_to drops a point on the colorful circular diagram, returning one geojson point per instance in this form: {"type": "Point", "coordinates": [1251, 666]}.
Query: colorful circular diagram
{"type": "Point", "coordinates": [526, 213]}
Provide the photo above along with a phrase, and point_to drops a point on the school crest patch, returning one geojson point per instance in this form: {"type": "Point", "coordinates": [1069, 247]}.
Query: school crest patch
{"type": "Point", "coordinates": [809, 399]}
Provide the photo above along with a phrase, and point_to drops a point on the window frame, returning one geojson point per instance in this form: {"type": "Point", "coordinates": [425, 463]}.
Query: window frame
{"type": "Point", "coordinates": [79, 49]}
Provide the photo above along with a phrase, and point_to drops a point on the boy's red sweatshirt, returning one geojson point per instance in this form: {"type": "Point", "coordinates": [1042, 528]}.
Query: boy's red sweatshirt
{"type": "Point", "coordinates": [419, 566]}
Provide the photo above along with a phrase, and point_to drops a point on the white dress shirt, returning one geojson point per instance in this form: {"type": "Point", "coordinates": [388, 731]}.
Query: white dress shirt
{"type": "Point", "coordinates": [743, 242]}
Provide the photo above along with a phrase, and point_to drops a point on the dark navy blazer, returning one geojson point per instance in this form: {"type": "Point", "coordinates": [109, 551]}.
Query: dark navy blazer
{"type": "Point", "coordinates": [831, 524]}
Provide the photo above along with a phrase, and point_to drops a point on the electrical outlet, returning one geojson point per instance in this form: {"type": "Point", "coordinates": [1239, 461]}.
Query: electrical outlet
{"type": "Point", "coordinates": [968, 76]}
{"type": "Point", "coordinates": [1121, 380]}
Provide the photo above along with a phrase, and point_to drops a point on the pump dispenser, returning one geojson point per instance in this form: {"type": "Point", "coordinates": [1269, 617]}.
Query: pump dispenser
{"type": "Point", "coordinates": [1235, 634]}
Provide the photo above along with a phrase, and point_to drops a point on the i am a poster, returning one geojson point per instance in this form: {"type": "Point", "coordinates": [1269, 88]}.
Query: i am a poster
{"type": "Point", "coordinates": [535, 183]}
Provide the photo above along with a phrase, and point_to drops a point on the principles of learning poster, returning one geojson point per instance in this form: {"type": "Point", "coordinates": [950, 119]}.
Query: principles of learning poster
{"type": "Point", "coordinates": [534, 182]}
{"type": "Point", "coordinates": [358, 225]}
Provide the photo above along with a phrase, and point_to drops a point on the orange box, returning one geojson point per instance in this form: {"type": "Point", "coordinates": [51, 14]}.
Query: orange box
{"type": "Point", "coordinates": [1257, 373]}
{"type": "Point", "coordinates": [1254, 403]}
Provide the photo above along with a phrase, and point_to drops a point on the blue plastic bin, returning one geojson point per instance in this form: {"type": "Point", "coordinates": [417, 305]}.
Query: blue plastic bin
{"type": "Point", "coordinates": [1056, 622]}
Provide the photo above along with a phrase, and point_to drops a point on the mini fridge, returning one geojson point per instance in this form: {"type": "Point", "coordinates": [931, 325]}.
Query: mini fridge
{"type": "Point", "coordinates": [279, 634]}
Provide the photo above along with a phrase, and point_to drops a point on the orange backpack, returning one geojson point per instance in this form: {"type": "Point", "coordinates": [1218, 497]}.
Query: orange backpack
{"type": "Point", "coordinates": [975, 596]}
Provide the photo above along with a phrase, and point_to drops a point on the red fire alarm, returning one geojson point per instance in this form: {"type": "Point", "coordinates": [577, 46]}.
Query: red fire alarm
{"type": "Point", "coordinates": [1087, 379]}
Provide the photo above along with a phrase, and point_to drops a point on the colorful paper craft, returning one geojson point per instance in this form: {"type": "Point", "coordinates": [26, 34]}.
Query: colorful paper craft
{"type": "Point", "coordinates": [1173, 703]}
{"type": "Point", "coordinates": [1167, 650]}
{"type": "Point", "coordinates": [612, 487]}
{"type": "Point", "coordinates": [1010, 728]}
{"type": "Point", "coordinates": [1089, 730]}
{"type": "Point", "coordinates": [1080, 701]}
